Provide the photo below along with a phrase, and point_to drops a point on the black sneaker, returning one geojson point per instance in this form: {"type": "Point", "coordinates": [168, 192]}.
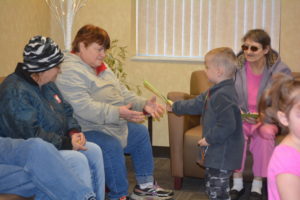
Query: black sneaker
{"type": "Point", "coordinates": [255, 196]}
{"type": "Point", "coordinates": [235, 195]}
{"type": "Point", "coordinates": [153, 193]}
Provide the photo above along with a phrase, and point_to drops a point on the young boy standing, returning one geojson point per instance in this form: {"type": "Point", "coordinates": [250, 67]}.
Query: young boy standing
{"type": "Point", "coordinates": [223, 139]}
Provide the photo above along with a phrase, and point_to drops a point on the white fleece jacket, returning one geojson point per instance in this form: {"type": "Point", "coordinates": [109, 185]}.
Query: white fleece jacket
{"type": "Point", "coordinates": [96, 99]}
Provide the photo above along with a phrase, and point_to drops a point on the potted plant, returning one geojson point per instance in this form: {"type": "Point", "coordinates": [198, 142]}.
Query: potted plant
{"type": "Point", "coordinates": [115, 58]}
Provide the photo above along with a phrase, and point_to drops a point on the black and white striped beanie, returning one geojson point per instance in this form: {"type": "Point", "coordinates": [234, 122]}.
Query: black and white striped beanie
{"type": "Point", "coordinates": [41, 54]}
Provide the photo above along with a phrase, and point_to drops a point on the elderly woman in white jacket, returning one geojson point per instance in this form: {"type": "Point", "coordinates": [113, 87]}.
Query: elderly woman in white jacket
{"type": "Point", "coordinates": [102, 103]}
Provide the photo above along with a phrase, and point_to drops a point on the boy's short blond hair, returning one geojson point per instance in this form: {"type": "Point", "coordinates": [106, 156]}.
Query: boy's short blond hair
{"type": "Point", "coordinates": [223, 57]}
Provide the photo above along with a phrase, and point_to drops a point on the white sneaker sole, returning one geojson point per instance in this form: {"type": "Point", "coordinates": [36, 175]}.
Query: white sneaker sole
{"type": "Point", "coordinates": [137, 197]}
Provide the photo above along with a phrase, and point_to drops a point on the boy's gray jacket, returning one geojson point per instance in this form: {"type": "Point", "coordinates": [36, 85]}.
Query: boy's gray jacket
{"type": "Point", "coordinates": [222, 124]}
{"type": "Point", "coordinates": [96, 99]}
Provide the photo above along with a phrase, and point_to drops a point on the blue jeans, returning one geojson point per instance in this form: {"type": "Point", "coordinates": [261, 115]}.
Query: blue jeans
{"type": "Point", "coordinates": [88, 166]}
{"type": "Point", "coordinates": [34, 167]}
{"type": "Point", "coordinates": [138, 146]}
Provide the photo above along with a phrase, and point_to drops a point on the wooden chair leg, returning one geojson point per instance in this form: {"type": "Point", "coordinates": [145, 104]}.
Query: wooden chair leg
{"type": "Point", "coordinates": [177, 183]}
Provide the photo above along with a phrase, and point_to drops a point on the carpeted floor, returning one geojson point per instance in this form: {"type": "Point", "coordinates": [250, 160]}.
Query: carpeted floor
{"type": "Point", "coordinates": [193, 188]}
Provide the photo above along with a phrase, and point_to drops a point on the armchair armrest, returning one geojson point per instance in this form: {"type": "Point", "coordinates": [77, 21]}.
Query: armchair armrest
{"type": "Point", "coordinates": [177, 127]}
{"type": "Point", "coordinates": [176, 96]}
{"type": "Point", "coordinates": [2, 78]}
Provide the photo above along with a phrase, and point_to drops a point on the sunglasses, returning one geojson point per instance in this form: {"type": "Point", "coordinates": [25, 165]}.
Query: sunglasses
{"type": "Point", "coordinates": [252, 48]}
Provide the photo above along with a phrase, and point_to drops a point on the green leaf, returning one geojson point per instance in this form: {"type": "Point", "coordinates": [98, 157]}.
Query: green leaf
{"type": "Point", "coordinates": [115, 58]}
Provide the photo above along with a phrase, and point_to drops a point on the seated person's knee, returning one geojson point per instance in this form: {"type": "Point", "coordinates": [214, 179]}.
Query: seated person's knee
{"type": "Point", "coordinates": [268, 131]}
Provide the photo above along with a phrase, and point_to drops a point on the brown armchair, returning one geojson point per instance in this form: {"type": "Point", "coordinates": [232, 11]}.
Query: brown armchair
{"type": "Point", "coordinates": [185, 131]}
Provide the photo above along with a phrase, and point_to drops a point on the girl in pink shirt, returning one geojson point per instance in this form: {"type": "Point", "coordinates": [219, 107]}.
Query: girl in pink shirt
{"type": "Point", "coordinates": [281, 104]}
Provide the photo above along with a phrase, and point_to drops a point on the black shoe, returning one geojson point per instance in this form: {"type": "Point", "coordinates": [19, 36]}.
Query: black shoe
{"type": "Point", "coordinates": [255, 196]}
{"type": "Point", "coordinates": [235, 195]}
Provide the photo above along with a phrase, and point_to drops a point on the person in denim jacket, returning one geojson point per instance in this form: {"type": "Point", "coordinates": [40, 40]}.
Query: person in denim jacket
{"type": "Point", "coordinates": [32, 106]}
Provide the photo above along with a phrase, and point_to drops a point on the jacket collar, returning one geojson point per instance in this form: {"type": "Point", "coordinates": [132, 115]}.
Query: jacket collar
{"type": "Point", "coordinates": [24, 74]}
{"type": "Point", "coordinates": [221, 84]}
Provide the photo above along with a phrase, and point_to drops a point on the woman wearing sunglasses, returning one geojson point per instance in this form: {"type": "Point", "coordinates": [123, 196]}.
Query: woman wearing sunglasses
{"type": "Point", "coordinates": [258, 62]}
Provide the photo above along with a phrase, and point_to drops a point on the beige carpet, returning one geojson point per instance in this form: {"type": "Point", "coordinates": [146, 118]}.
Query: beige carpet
{"type": "Point", "coordinates": [193, 188]}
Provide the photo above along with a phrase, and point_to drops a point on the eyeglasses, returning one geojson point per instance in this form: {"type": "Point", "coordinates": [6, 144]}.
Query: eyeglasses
{"type": "Point", "coordinates": [252, 48]}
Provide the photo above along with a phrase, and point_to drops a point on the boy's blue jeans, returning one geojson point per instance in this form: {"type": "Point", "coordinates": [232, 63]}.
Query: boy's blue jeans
{"type": "Point", "coordinates": [34, 167]}
{"type": "Point", "coordinates": [140, 149]}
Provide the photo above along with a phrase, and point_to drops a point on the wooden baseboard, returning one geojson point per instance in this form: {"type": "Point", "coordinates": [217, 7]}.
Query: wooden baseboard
{"type": "Point", "coordinates": [161, 152]}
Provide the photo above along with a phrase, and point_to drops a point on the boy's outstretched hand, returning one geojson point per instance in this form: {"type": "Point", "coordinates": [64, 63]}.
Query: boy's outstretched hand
{"type": "Point", "coordinates": [203, 142]}
{"type": "Point", "coordinates": [168, 107]}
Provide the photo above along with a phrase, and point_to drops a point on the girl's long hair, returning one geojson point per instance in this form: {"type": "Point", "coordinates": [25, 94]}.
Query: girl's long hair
{"type": "Point", "coordinates": [283, 94]}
